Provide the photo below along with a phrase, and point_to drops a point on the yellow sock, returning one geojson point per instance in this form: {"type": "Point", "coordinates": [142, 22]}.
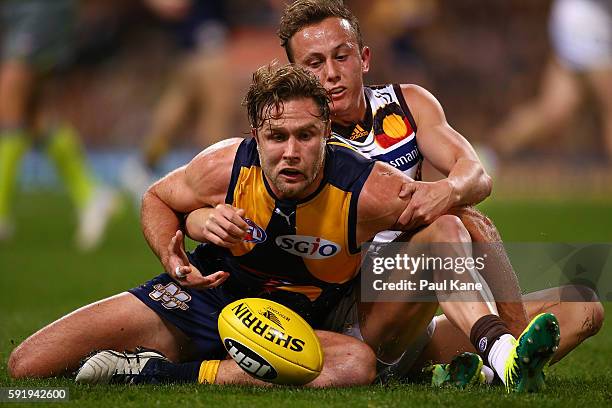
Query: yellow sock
{"type": "Point", "coordinates": [69, 159]}
{"type": "Point", "coordinates": [208, 371]}
{"type": "Point", "coordinates": [13, 145]}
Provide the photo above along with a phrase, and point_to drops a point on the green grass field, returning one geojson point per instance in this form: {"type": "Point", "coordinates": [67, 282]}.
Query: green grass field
{"type": "Point", "coordinates": [42, 277]}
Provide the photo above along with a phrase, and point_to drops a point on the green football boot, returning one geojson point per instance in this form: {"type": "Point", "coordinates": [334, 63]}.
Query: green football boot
{"type": "Point", "coordinates": [465, 369]}
{"type": "Point", "coordinates": [532, 353]}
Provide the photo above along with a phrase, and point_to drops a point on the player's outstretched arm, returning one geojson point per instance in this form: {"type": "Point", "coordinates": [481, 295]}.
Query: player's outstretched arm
{"type": "Point", "coordinates": [201, 183]}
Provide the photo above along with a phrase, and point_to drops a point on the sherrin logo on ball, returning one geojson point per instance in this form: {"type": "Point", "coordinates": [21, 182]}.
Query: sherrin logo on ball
{"type": "Point", "coordinates": [270, 342]}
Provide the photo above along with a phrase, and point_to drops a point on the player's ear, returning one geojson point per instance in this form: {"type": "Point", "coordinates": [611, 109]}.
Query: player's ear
{"type": "Point", "coordinates": [366, 54]}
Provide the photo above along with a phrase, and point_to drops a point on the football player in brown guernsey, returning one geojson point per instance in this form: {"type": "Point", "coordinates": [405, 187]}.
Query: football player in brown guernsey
{"type": "Point", "coordinates": [405, 126]}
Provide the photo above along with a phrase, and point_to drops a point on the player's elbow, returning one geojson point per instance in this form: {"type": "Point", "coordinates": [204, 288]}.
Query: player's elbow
{"type": "Point", "coordinates": [487, 184]}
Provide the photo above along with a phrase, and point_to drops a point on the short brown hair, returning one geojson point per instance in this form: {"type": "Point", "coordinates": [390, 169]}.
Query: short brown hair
{"type": "Point", "coordinates": [273, 85]}
{"type": "Point", "coordinates": [302, 13]}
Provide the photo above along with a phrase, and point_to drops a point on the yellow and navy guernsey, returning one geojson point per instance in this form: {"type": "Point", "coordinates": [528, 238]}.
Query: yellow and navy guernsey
{"type": "Point", "coordinates": [300, 253]}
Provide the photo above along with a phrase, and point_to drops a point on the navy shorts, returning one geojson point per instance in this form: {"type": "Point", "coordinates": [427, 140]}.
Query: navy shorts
{"type": "Point", "coordinates": [194, 312]}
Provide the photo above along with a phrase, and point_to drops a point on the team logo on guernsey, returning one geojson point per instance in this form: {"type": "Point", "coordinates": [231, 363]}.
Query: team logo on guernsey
{"type": "Point", "coordinates": [255, 233]}
{"type": "Point", "coordinates": [390, 125]}
{"type": "Point", "coordinates": [307, 247]}
{"type": "Point", "coordinates": [171, 296]}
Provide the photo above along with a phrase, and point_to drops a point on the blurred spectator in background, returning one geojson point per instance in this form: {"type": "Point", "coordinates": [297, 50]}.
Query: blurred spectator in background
{"type": "Point", "coordinates": [37, 39]}
{"type": "Point", "coordinates": [581, 34]}
{"type": "Point", "coordinates": [392, 28]}
{"type": "Point", "coordinates": [223, 42]}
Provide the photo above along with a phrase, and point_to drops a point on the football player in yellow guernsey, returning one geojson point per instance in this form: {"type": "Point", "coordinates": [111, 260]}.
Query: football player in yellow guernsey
{"type": "Point", "coordinates": [288, 166]}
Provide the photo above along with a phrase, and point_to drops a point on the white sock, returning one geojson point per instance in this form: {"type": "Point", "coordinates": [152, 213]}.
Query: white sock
{"type": "Point", "coordinates": [488, 373]}
{"type": "Point", "coordinates": [500, 351]}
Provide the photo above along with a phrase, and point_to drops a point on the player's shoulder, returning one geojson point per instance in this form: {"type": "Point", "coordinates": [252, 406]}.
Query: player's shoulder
{"type": "Point", "coordinates": [412, 91]}
{"type": "Point", "coordinates": [422, 103]}
{"type": "Point", "coordinates": [215, 162]}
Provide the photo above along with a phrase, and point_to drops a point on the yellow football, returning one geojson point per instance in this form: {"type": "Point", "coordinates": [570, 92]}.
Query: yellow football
{"type": "Point", "coordinates": [270, 341]}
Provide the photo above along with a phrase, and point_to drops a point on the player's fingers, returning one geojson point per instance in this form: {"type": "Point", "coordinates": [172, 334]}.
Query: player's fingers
{"type": "Point", "coordinates": [407, 190]}
{"type": "Point", "coordinates": [228, 221]}
{"type": "Point", "coordinates": [181, 272]}
{"type": "Point", "coordinates": [217, 278]}
{"type": "Point", "coordinates": [235, 216]}
{"type": "Point", "coordinates": [210, 281]}
{"type": "Point", "coordinates": [215, 232]}
{"type": "Point", "coordinates": [179, 248]}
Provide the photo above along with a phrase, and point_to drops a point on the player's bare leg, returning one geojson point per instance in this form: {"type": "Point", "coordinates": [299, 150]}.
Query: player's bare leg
{"type": "Point", "coordinates": [601, 83]}
{"type": "Point", "coordinates": [577, 321]}
{"type": "Point", "coordinates": [119, 322]}
{"type": "Point", "coordinates": [347, 362]}
{"type": "Point", "coordinates": [559, 96]}
{"type": "Point", "coordinates": [498, 271]}
{"type": "Point", "coordinates": [390, 327]}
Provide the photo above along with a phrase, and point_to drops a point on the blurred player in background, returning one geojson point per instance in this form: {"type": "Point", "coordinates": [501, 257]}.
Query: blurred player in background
{"type": "Point", "coordinates": [581, 35]}
{"type": "Point", "coordinates": [217, 41]}
{"type": "Point", "coordinates": [38, 37]}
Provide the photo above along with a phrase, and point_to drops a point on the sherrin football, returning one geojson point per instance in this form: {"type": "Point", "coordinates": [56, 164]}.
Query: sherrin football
{"type": "Point", "coordinates": [270, 341]}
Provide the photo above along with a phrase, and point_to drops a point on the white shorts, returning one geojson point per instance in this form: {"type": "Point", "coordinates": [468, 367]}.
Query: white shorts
{"type": "Point", "coordinates": [344, 319]}
{"type": "Point", "coordinates": [581, 33]}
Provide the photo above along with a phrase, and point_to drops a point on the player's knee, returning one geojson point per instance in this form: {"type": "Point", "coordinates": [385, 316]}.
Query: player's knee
{"type": "Point", "coordinates": [594, 315]}
{"type": "Point", "coordinates": [591, 309]}
{"type": "Point", "coordinates": [480, 227]}
{"type": "Point", "coordinates": [598, 317]}
{"type": "Point", "coordinates": [449, 228]}
{"type": "Point", "coordinates": [358, 363]}
{"type": "Point", "coordinates": [363, 359]}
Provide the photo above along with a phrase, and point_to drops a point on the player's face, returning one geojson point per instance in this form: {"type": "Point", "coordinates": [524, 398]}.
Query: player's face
{"type": "Point", "coordinates": [330, 50]}
{"type": "Point", "coordinates": [292, 149]}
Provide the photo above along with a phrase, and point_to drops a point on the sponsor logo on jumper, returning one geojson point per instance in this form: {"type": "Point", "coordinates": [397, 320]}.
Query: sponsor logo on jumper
{"type": "Point", "coordinates": [171, 296]}
{"type": "Point", "coordinates": [403, 157]}
{"type": "Point", "coordinates": [307, 246]}
{"type": "Point", "coordinates": [255, 233]}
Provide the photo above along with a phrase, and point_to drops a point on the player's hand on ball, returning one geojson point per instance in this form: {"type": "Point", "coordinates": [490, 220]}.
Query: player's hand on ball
{"type": "Point", "coordinates": [184, 272]}
{"type": "Point", "coordinates": [222, 225]}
